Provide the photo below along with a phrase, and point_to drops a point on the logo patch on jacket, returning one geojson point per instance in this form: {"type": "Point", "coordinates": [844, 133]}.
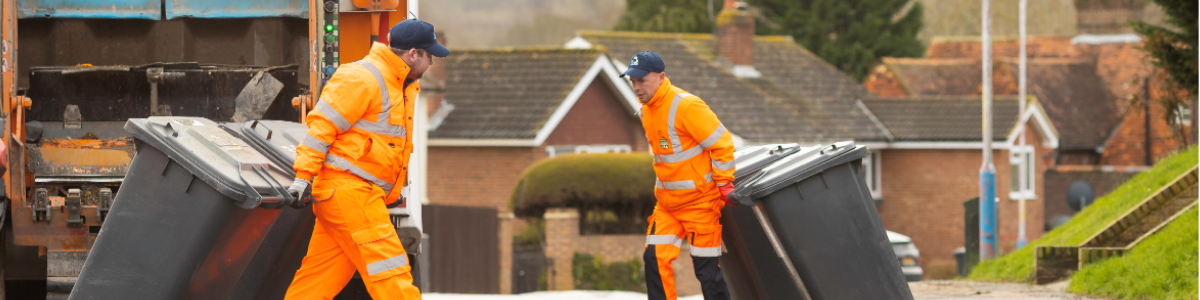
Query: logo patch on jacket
{"type": "Point", "coordinates": [664, 144]}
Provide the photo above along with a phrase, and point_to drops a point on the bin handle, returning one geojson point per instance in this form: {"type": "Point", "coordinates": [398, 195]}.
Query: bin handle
{"type": "Point", "coordinates": [778, 246]}
{"type": "Point", "coordinates": [269, 131]}
{"type": "Point", "coordinates": [835, 149]}
{"type": "Point", "coordinates": [270, 201]}
{"type": "Point", "coordinates": [166, 128]}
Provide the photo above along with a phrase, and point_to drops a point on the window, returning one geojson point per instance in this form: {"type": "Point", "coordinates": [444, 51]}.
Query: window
{"type": "Point", "coordinates": [873, 173]}
{"type": "Point", "coordinates": [1022, 176]}
{"type": "Point", "coordinates": [1184, 117]}
{"type": "Point", "coordinates": [553, 151]}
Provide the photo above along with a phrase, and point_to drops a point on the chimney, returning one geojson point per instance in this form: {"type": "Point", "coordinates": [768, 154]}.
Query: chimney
{"type": "Point", "coordinates": [735, 39]}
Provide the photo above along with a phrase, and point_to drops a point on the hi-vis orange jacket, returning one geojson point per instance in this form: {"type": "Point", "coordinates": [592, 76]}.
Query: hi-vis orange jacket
{"type": "Point", "coordinates": [692, 150]}
{"type": "Point", "coordinates": [362, 124]}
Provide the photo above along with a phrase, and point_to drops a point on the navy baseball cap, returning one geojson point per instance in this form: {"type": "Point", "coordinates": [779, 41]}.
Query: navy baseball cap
{"type": "Point", "coordinates": [416, 34]}
{"type": "Point", "coordinates": [644, 63]}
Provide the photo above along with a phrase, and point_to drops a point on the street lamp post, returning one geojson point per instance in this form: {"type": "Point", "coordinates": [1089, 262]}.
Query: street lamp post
{"type": "Point", "coordinates": [987, 172]}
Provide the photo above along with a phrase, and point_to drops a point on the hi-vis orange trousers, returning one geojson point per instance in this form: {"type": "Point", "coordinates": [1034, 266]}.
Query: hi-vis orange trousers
{"type": "Point", "coordinates": [699, 223]}
{"type": "Point", "coordinates": [353, 233]}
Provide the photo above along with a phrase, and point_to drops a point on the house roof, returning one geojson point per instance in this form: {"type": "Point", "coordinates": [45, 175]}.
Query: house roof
{"type": "Point", "coordinates": [936, 77]}
{"type": "Point", "coordinates": [799, 97]}
{"type": "Point", "coordinates": [1075, 98]}
{"type": "Point", "coordinates": [515, 93]}
{"type": "Point", "coordinates": [1004, 46]}
{"type": "Point", "coordinates": [943, 118]}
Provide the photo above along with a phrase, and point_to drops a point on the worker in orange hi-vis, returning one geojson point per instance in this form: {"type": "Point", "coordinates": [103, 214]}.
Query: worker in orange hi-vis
{"type": "Point", "coordinates": [693, 164]}
{"type": "Point", "coordinates": [358, 145]}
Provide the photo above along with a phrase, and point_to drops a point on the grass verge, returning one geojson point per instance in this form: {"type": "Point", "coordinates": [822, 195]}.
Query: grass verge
{"type": "Point", "coordinates": [1018, 265]}
{"type": "Point", "coordinates": [1163, 266]}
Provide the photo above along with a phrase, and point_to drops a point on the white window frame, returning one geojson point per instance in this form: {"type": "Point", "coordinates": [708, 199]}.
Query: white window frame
{"type": "Point", "coordinates": [1185, 115]}
{"type": "Point", "coordinates": [1023, 166]}
{"type": "Point", "coordinates": [551, 151]}
{"type": "Point", "coordinates": [873, 173]}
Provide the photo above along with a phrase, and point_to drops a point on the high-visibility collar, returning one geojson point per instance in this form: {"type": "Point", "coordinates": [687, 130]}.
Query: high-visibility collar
{"type": "Point", "coordinates": [664, 91]}
{"type": "Point", "coordinates": [397, 67]}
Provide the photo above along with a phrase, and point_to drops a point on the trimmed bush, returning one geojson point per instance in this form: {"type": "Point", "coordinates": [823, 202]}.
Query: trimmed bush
{"type": "Point", "coordinates": [592, 273]}
{"type": "Point", "coordinates": [534, 233]}
{"type": "Point", "coordinates": [585, 180]}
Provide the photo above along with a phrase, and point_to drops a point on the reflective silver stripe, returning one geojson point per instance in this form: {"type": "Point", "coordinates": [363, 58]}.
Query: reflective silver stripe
{"type": "Point", "coordinates": [714, 137]}
{"type": "Point", "coordinates": [383, 91]}
{"type": "Point", "coordinates": [722, 165]}
{"type": "Point", "coordinates": [708, 177]}
{"type": "Point", "coordinates": [706, 251]}
{"type": "Point", "coordinates": [679, 185]}
{"type": "Point", "coordinates": [382, 128]}
{"type": "Point", "coordinates": [676, 145]}
{"type": "Point", "coordinates": [680, 156]}
{"type": "Point", "coordinates": [333, 115]}
{"type": "Point", "coordinates": [658, 184]}
{"type": "Point", "coordinates": [344, 164]}
{"type": "Point", "coordinates": [664, 239]}
{"type": "Point", "coordinates": [315, 144]}
{"type": "Point", "coordinates": [387, 264]}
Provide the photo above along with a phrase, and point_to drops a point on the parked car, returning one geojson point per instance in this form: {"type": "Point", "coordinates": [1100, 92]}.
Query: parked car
{"type": "Point", "coordinates": [908, 254]}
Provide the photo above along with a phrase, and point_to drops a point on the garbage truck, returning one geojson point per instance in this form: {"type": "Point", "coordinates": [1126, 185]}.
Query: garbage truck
{"type": "Point", "coordinates": [75, 71]}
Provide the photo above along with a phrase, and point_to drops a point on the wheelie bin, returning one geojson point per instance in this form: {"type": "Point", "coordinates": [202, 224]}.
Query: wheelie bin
{"type": "Point", "coordinates": [815, 216]}
{"type": "Point", "coordinates": [191, 218]}
{"type": "Point", "coordinates": [283, 249]}
{"type": "Point", "coordinates": [752, 268]}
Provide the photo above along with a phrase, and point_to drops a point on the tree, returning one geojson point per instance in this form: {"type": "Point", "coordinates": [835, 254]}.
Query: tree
{"type": "Point", "coordinates": [1174, 52]}
{"type": "Point", "coordinates": [668, 16]}
{"type": "Point", "coordinates": [850, 34]}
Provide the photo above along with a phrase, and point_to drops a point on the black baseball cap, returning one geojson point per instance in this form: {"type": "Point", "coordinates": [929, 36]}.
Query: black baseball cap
{"type": "Point", "coordinates": [416, 34]}
{"type": "Point", "coordinates": [644, 63]}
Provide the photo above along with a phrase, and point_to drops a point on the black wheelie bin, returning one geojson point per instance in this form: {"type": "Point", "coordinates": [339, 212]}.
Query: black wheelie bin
{"type": "Point", "coordinates": [816, 215]}
{"type": "Point", "coordinates": [283, 249]}
{"type": "Point", "coordinates": [191, 218]}
{"type": "Point", "coordinates": [752, 268]}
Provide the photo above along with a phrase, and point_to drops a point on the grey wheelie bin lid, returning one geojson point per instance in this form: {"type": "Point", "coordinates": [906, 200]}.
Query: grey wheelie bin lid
{"type": "Point", "coordinates": [275, 139]}
{"type": "Point", "coordinates": [194, 208]}
{"type": "Point", "coordinates": [818, 206]}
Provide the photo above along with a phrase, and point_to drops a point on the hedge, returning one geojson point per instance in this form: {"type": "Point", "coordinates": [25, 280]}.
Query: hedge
{"type": "Point", "coordinates": [585, 180]}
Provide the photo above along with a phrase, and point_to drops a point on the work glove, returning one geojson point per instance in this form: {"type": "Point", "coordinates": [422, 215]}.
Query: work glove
{"type": "Point", "coordinates": [300, 192]}
{"type": "Point", "coordinates": [725, 190]}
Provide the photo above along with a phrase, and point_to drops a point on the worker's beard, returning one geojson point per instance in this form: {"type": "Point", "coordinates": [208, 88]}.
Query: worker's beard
{"type": "Point", "coordinates": [415, 75]}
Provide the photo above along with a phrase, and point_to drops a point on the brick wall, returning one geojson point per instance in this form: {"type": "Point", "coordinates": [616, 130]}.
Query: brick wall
{"type": "Point", "coordinates": [1077, 157]}
{"type": "Point", "coordinates": [504, 235]}
{"type": "Point", "coordinates": [563, 241]}
{"type": "Point", "coordinates": [477, 176]}
{"type": "Point", "coordinates": [923, 192]}
{"type": "Point", "coordinates": [1128, 145]}
{"type": "Point", "coordinates": [1058, 180]}
{"type": "Point", "coordinates": [599, 117]}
